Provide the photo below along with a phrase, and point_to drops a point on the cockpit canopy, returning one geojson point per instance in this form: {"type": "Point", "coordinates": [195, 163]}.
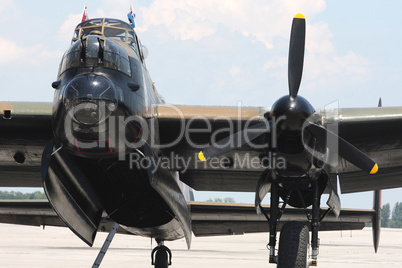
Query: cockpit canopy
{"type": "Point", "coordinates": [110, 28]}
{"type": "Point", "coordinates": [102, 43]}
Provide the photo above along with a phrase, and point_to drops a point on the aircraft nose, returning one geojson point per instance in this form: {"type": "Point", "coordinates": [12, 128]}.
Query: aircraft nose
{"type": "Point", "coordinates": [90, 99]}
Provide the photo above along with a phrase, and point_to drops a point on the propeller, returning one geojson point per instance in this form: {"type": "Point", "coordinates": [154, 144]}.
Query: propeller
{"type": "Point", "coordinates": [295, 109]}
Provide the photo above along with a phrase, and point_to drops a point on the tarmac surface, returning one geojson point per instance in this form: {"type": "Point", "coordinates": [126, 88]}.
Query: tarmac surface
{"type": "Point", "coordinates": [24, 246]}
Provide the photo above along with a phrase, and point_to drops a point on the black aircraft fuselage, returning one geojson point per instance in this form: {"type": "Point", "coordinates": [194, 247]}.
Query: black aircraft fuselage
{"type": "Point", "coordinates": [101, 115]}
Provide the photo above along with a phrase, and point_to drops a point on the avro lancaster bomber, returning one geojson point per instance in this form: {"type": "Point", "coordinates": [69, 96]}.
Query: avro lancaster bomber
{"type": "Point", "coordinates": [112, 156]}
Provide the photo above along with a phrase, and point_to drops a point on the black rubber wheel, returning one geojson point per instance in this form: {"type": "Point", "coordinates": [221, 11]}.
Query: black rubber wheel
{"type": "Point", "coordinates": [161, 259]}
{"type": "Point", "coordinates": [293, 245]}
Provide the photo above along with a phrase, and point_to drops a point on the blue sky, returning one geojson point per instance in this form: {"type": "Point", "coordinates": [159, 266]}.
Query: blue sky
{"type": "Point", "coordinates": [221, 52]}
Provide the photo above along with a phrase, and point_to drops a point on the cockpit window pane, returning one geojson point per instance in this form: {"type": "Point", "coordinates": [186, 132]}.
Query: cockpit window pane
{"type": "Point", "coordinates": [92, 22]}
{"type": "Point", "coordinates": [111, 60]}
{"type": "Point", "coordinates": [116, 23]}
{"type": "Point", "coordinates": [72, 56]}
{"type": "Point", "coordinates": [115, 57]}
{"type": "Point", "coordinates": [91, 30]}
{"type": "Point", "coordinates": [132, 41]}
{"type": "Point", "coordinates": [76, 33]}
{"type": "Point", "coordinates": [115, 33]}
{"type": "Point", "coordinates": [124, 61]}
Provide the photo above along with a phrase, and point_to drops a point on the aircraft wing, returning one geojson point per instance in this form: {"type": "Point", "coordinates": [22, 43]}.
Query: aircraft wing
{"type": "Point", "coordinates": [378, 133]}
{"type": "Point", "coordinates": [40, 213]}
{"type": "Point", "coordinates": [375, 131]}
{"type": "Point", "coordinates": [25, 129]}
{"type": "Point", "coordinates": [208, 219]}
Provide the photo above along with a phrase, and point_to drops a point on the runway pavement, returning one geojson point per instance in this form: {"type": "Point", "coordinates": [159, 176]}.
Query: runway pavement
{"type": "Point", "coordinates": [22, 246]}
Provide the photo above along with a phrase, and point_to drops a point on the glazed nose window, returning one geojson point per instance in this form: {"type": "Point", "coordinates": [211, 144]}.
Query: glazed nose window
{"type": "Point", "coordinates": [92, 98]}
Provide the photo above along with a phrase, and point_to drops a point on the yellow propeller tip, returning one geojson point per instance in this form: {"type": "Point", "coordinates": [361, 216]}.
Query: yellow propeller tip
{"type": "Point", "coordinates": [299, 16]}
{"type": "Point", "coordinates": [201, 156]}
{"type": "Point", "coordinates": [374, 169]}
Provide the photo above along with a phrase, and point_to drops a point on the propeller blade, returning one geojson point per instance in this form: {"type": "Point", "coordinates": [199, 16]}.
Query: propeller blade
{"type": "Point", "coordinates": [296, 54]}
{"type": "Point", "coordinates": [345, 150]}
{"type": "Point", "coordinates": [234, 141]}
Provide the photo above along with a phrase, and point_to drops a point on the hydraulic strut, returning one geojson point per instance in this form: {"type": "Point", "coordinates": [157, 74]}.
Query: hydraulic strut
{"type": "Point", "coordinates": [315, 224]}
{"type": "Point", "coordinates": [273, 220]}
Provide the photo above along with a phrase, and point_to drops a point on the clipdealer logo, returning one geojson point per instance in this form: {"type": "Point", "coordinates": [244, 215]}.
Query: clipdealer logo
{"type": "Point", "coordinates": [176, 162]}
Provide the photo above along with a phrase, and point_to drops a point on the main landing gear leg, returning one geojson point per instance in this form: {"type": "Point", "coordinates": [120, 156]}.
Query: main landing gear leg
{"type": "Point", "coordinates": [161, 256]}
{"type": "Point", "coordinates": [293, 242]}
{"type": "Point", "coordinates": [273, 220]}
{"type": "Point", "coordinates": [315, 224]}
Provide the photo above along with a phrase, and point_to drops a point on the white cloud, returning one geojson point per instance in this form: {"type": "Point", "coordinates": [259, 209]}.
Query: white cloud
{"type": "Point", "coordinates": [216, 24]}
{"type": "Point", "coordinates": [275, 63]}
{"type": "Point", "coordinates": [235, 70]}
{"type": "Point", "coordinates": [322, 59]}
{"type": "Point", "coordinates": [352, 63]}
{"type": "Point", "coordinates": [323, 70]}
{"type": "Point", "coordinates": [9, 51]}
{"type": "Point", "coordinates": [66, 30]}
{"type": "Point", "coordinates": [221, 83]}
{"type": "Point", "coordinates": [36, 55]}
{"type": "Point", "coordinates": [261, 21]}
{"type": "Point", "coordinates": [322, 62]}
{"type": "Point", "coordinates": [318, 39]}
{"type": "Point", "coordinates": [6, 5]}
{"type": "Point", "coordinates": [8, 12]}
{"type": "Point", "coordinates": [277, 67]}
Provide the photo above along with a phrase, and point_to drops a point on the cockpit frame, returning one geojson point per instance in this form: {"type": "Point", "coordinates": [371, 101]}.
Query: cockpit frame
{"type": "Point", "coordinates": [110, 28]}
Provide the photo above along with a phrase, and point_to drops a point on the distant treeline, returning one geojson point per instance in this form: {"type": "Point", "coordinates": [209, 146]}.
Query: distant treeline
{"type": "Point", "coordinates": [393, 220]}
{"type": "Point", "coordinates": [220, 200]}
{"type": "Point", "coordinates": [5, 195]}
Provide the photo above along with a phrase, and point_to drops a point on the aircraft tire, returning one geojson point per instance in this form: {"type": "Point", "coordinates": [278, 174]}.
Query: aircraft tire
{"type": "Point", "coordinates": [161, 259]}
{"type": "Point", "coordinates": [293, 245]}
